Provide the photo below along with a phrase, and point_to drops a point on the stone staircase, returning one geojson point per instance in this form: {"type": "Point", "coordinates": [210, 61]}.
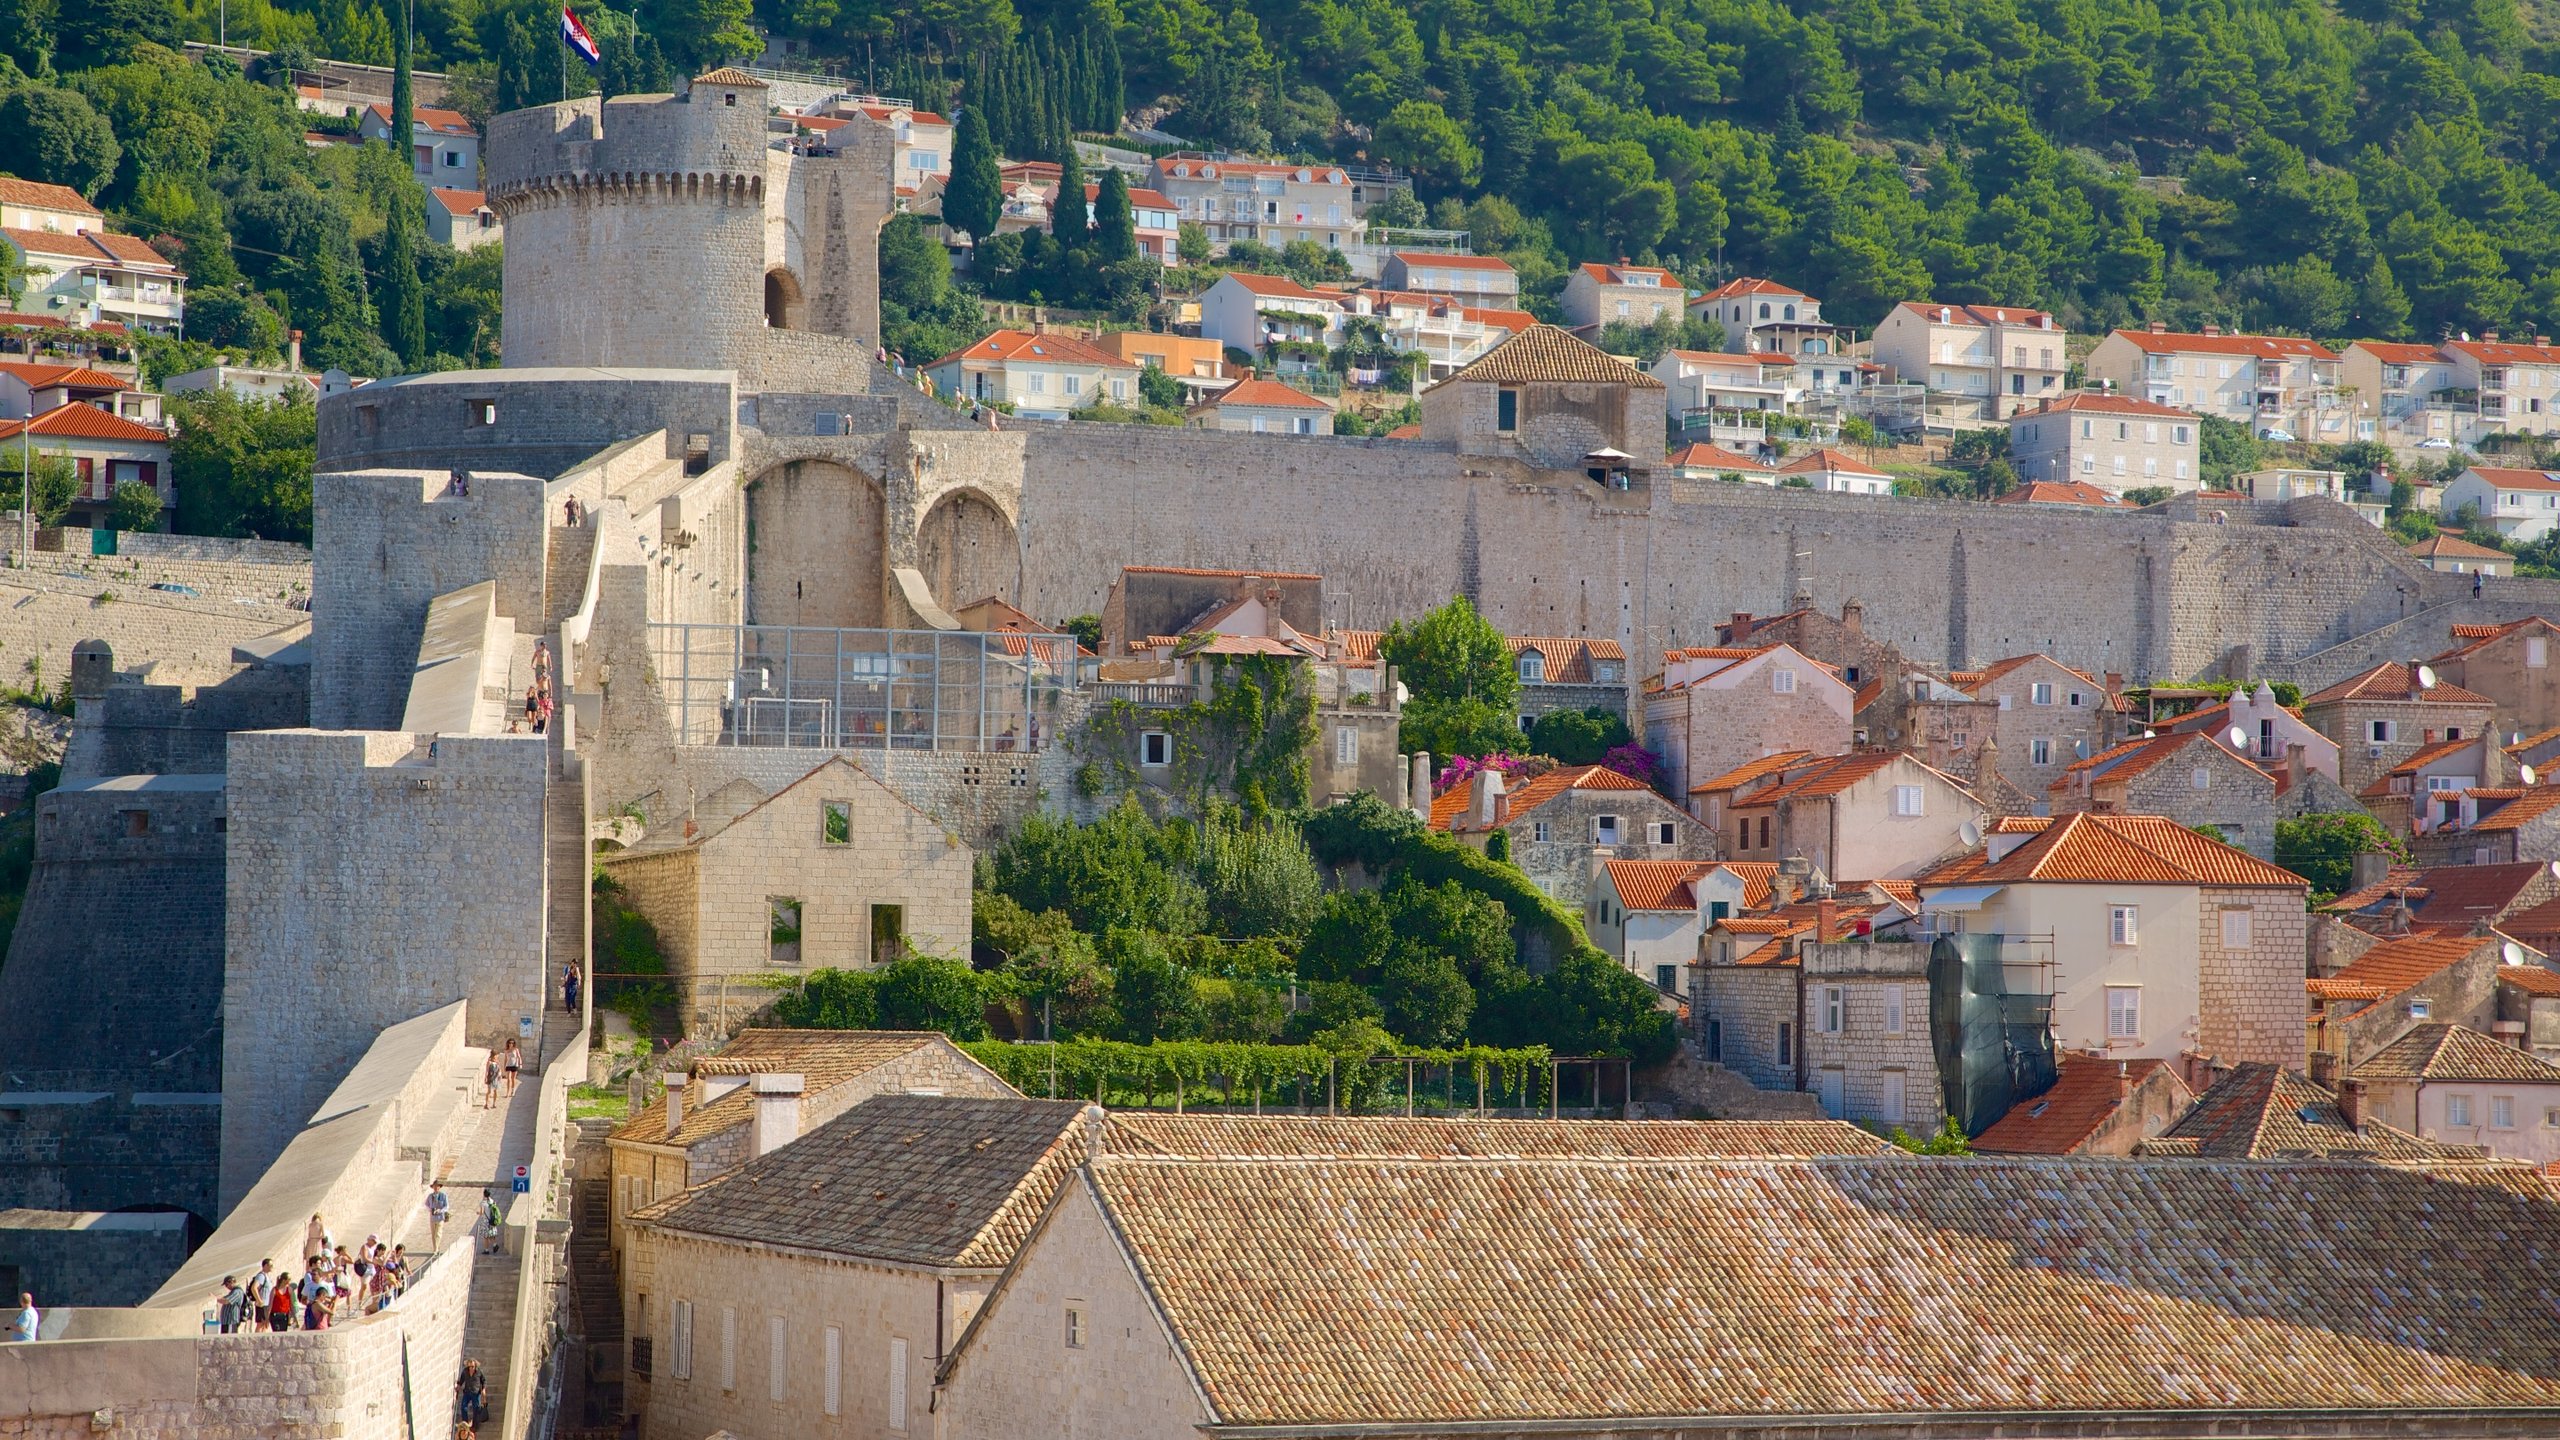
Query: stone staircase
{"type": "Point", "coordinates": [595, 1284]}
{"type": "Point", "coordinates": [571, 549]}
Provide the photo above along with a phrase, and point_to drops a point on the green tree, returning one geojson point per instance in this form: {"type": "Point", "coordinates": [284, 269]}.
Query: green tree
{"type": "Point", "coordinates": [49, 133]}
{"type": "Point", "coordinates": [924, 992]}
{"type": "Point", "coordinates": [973, 201]}
{"type": "Point", "coordinates": [134, 506]}
{"type": "Point", "coordinates": [1150, 989]}
{"type": "Point", "coordinates": [1453, 653]}
{"type": "Point", "coordinates": [1423, 998]}
{"type": "Point", "coordinates": [52, 478]}
{"type": "Point", "coordinates": [1447, 727]}
{"type": "Point", "coordinates": [915, 270]}
{"type": "Point", "coordinates": [242, 467]}
{"type": "Point", "coordinates": [2225, 448]}
{"type": "Point", "coordinates": [1070, 220]}
{"type": "Point", "coordinates": [2322, 849]}
{"type": "Point", "coordinates": [399, 298]}
{"type": "Point", "coordinates": [1579, 737]}
{"type": "Point", "coordinates": [1115, 232]}
{"type": "Point", "coordinates": [102, 32]}
{"type": "Point", "coordinates": [1191, 243]}
{"type": "Point", "coordinates": [1421, 137]}
{"type": "Point", "coordinates": [702, 34]}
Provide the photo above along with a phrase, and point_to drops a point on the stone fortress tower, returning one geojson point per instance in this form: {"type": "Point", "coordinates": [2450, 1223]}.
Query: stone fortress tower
{"type": "Point", "coordinates": [674, 232]}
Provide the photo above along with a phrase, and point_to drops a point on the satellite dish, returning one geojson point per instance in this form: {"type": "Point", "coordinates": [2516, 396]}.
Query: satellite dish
{"type": "Point", "coordinates": [2080, 748]}
{"type": "Point", "coordinates": [1971, 835]}
{"type": "Point", "coordinates": [2512, 953]}
{"type": "Point", "coordinates": [2238, 737]}
{"type": "Point", "coordinates": [2426, 677]}
{"type": "Point", "coordinates": [2146, 734]}
{"type": "Point", "coordinates": [2525, 773]}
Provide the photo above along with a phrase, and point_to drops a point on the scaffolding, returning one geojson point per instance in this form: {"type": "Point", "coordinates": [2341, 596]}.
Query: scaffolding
{"type": "Point", "coordinates": [797, 687]}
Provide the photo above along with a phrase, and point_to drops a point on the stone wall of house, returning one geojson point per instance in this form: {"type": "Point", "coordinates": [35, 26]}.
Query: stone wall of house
{"type": "Point", "coordinates": [1702, 732]}
{"type": "Point", "coordinates": [1738, 1024]}
{"type": "Point", "coordinates": [2250, 1001]}
{"type": "Point", "coordinates": [370, 880]}
{"type": "Point", "coordinates": [2362, 759]}
{"type": "Point", "coordinates": [2463, 993]}
{"type": "Point", "coordinates": [1867, 1049]}
{"type": "Point", "coordinates": [2151, 1105]}
{"type": "Point", "coordinates": [1561, 864]}
{"type": "Point", "coordinates": [2236, 799]}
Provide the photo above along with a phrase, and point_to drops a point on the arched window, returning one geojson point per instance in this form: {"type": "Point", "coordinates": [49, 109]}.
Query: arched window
{"type": "Point", "coordinates": [1764, 309]}
{"type": "Point", "coordinates": [1791, 312]}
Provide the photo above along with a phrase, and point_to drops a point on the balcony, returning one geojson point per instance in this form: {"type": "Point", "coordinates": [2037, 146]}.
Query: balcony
{"type": "Point", "coordinates": [1168, 696]}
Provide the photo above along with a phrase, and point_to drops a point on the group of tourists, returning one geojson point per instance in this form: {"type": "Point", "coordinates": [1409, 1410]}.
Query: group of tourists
{"type": "Point", "coordinates": [500, 1076]}
{"type": "Point", "coordinates": [538, 703]}
{"type": "Point", "coordinates": [337, 1284]}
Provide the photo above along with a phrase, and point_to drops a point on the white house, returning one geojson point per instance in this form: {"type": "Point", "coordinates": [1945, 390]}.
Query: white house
{"type": "Point", "coordinates": [1704, 380]}
{"type": "Point", "coordinates": [1699, 460]}
{"type": "Point", "coordinates": [2281, 386]}
{"type": "Point", "coordinates": [2458, 1086]}
{"type": "Point", "coordinates": [920, 140]}
{"type": "Point", "coordinates": [1262, 407]}
{"type": "Point", "coordinates": [444, 146]}
{"type": "Point", "coordinates": [1764, 315]}
{"type": "Point", "coordinates": [1042, 376]}
{"type": "Point", "coordinates": [35, 205]}
{"type": "Point", "coordinates": [1245, 311]}
{"type": "Point", "coordinates": [2119, 441]}
{"type": "Point", "coordinates": [1998, 359]}
{"type": "Point", "coordinates": [81, 277]}
{"type": "Point", "coordinates": [2518, 385]}
{"type": "Point", "coordinates": [461, 219]}
{"type": "Point", "coordinates": [1484, 278]}
{"type": "Point", "coordinates": [2399, 390]}
{"type": "Point", "coordinates": [1828, 469]}
{"type": "Point", "coordinates": [2522, 505]}
{"type": "Point", "coordinates": [1597, 295]}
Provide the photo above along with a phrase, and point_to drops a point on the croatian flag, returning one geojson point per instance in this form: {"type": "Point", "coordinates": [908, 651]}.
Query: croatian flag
{"type": "Point", "coordinates": [575, 36]}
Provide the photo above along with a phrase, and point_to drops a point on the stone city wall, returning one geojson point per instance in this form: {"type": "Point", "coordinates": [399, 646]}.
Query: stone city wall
{"type": "Point", "coordinates": [545, 421]}
{"type": "Point", "coordinates": [42, 615]}
{"type": "Point", "coordinates": [73, 1257]}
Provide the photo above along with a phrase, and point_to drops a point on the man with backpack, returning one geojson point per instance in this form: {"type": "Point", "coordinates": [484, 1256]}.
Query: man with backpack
{"type": "Point", "coordinates": [492, 1218]}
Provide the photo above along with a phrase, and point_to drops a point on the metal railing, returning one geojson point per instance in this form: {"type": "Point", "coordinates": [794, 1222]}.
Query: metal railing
{"type": "Point", "coordinates": [804, 688]}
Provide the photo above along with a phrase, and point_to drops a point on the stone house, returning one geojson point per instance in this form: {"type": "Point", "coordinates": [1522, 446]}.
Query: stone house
{"type": "Point", "coordinates": [2183, 775]}
{"type": "Point", "coordinates": [1262, 407]}
{"type": "Point", "coordinates": [1868, 1047]}
{"type": "Point", "coordinates": [1979, 361]}
{"type": "Point", "coordinates": [2027, 719]}
{"type": "Point", "coordinates": [2444, 899]}
{"type": "Point", "coordinates": [2529, 995]}
{"type": "Point", "coordinates": [2097, 1106]}
{"type": "Point", "coordinates": [462, 219]}
{"type": "Point", "coordinates": [1566, 672]}
{"type": "Point", "coordinates": [1245, 311]}
{"type": "Point", "coordinates": [1842, 643]}
{"type": "Point", "coordinates": [2383, 715]}
{"type": "Point", "coordinates": [1712, 799]}
{"type": "Point", "coordinates": [2521, 505]}
{"type": "Point", "coordinates": [2268, 731]}
{"type": "Point", "coordinates": [2417, 979]}
{"type": "Point", "coordinates": [833, 871]}
{"type": "Point", "coordinates": [1562, 826]}
{"type": "Point", "coordinates": [1870, 815]}
{"type": "Point", "coordinates": [762, 1089]}
{"type": "Point", "coordinates": [2455, 1086]}
{"type": "Point", "coordinates": [1747, 1005]}
{"type": "Point", "coordinates": [1172, 1295]}
{"type": "Point", "coordinates": [1714, 708]}
{"type": "Point", "coordinates": [1597, 295]}
{"type": "Point", "coordinates": [1652, 915]}
{"type": "Point", "coordinates": [2495, 826]}
{"type": "Point", "coordinates": [1765, 316]}
{"type": "Point", "coordinates": [2164, 944]}
{"type": "Point", "coordinates": [1043, 376]}
{"type": "Point", "coordinates": [1151, 601]}
{"type": "Point", "coordinates": [817, 1290]}
{"type": "Point", "coordinates": [1556, 402]}
{"type": "Point", "coordinates": [2438, 785]}
{"type": "Point", "coordinates": [2115, 441]}
{"type": "Point", "coordinates": [2511, 664]}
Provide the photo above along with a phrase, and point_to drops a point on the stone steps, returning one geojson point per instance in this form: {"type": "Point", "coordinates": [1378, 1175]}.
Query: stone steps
{"type": "Point", "coordinates": [565, 571]}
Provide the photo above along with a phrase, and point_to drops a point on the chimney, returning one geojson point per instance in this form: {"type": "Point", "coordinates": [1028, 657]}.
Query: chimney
{"type": "Point", "coordinates": [293, 351]}
{"type": "Point", "coordinates": [1853, 616]}
{"type": "Point", "coordinates": [2044, 322]}
{"type": "Point", "coordinates": [2212, 329]}
{"type": "Point", "coordinates": [2293, 767]}
{"type": "Point", "coordinates": [2508, 1032]}
{"type": "Point", "coordinates": [1484, 799]}
{"type": "Point", "coordinates": [1600, 858]}
{"type": "Point", "coordinates": [2395, 922]}
{"type": "Point", "coordinates": [1420, 784]}
{"type": "Point", "coordinates": [675, 1081]}
{"type": "Point", "coordinates": [2324, 1069]}
{"type": "Point", "coordinates": [2542, 341]}
{"type": "Point", "coordinates": [2488, 337]}
{"type": "Point", "coordinates": [777, 1121]}
{"type": "Point", "coordinates": [2369, 868]}
{"type": "Point", "coordinates": [2351, 1103]}
{"type": "Point", "coordinates": [2159, 327]}
{"type": "Point", "coordinates": [2124, 1081]}
{"type": "Point", "coordinates": [1826, 920]}
{"type": "Point", "coordinates": [1945, 315]}
{"type": "Point", "coordinates": [1740, 629]}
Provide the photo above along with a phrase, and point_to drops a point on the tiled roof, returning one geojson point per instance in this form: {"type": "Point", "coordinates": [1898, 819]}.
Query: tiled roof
{"type": "Point", "coordinates": [1737, 357]}
{"type": "Point", "coordinates": [1756, 876]}
{"type": "Point", "coordinates": [2096, 402]}
{"type": "Point", "coordinates": [1828, 775]}
{"type": "Point", "coordinates": [1750, 770]}
{"type": "Point", "coordinates": [914, 1179]}
{"type": "Point", "coordinates": [92, 246]}
{"type": "Point", "coordinates": [1005, 346]}
{"type": "Point", "coordinates": [1141, 1133]}
{"type": "Point", "coordinates": [1656, 884]}
{"type": "Point", "coordinates": [2395, 880]}
{"type": "Point", "coordinates": [2462, 894]}
{"type": "Point", "coordinates": [2131, 850]}
{"type": "Point", "coordinates": [1433, 260]}
{"type": "Point", "coordinates": [2021, 824]}
{"type": "Point", "coordinates": [2535, 925]}
{"type": "Point", "coordinates": [2539, 737]}
{"type": "Point", "coordinates": [37, 376]}
{"type": "Point", "coordinates": [2085, 1093]}
{"type": "Point", "coordinates": [1974, 682]}
{"type": "Point", "coordinates": [2394, 354]}
{"type": "Point", "coordinates": [2505, 478]}
{"type": "Point", "coordinates": [1449, 807]}
{"type": "Point", "coordinates": [1545, 353]}
{"type": "Point", "coordinates": [2265, 1112]}
{"type": "Point", "coordinates": [1828, 461]}
{"type": "Point", "coordinates": [1266, 394]}
{"type": "Point", "coordinates": [1699, 455]}
{"type": "Point", "coordinates": [1616, 275]}
{"type": "Point", "coordinates": [2418, 760]}
{"type": "Point", "coordinates": [1752, 285]}
{"type": "Point", "coordinates": [2453, 1052]}
{"type": "Point", "coordinates": [440, 122]}
{"type": "Point", "coordinates": [1278, 287]}
{"type": "Point", "coordinates": [75, 420]}
{"type": "Point", "coordinates": [2478, 637]}
{"type": "Point", "coordinates": [823, 1059]}
{"type": "Point", "coordinates": [2490, 352]}
{"type": "Point", "coordinates": [2515, 814]}
{"type": "Point", "coordinates": [460, 202]}
{"type": "Point", "coordinates": [1501, 1295]}
{"type": "Point", "coordinates": [2531, 979]}
{"type": "Point", "coordinates": [1224, 574]}
{"type": "Point", "coordinates": [1977, 315]}
{"type": "Point", "coordinates": [1801, 918]}
{"type": "Point", "coordinates": [2390, 681]}
{"type": "Point", "coordinates": [727, 75]}
{"type": "Point", "coordinates": [2443, 546]}
{"type": "Point", "coordinates": [2395, 965]}
{"type": "Point", "coordinates": [1567, 658]}
{"type": "Point", "coordinates": [2061, 492]}
{"type": "Point", "coordinates": [2133, 757]}
{"type": "Point", "coordinates": [38, 195]}
{"type": "Point", "coordinates": [2263, 347]}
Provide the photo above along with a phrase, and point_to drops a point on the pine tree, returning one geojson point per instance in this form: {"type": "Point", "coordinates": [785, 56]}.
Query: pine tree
{"type": "Point", "coordinates": [974, 200]}
{"type": "Point", "coordinates": [1115, 225]}
{"type": "Point", "coordinates": [1067, 218]}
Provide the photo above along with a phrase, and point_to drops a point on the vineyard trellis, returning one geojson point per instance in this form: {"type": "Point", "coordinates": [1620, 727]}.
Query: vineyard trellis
{"type": "Point", "coordinates": [1189, 1074]}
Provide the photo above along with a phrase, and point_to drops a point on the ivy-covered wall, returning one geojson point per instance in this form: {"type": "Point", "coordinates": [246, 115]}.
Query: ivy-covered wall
{"type": "Point", "coordinates": [1249, 741]}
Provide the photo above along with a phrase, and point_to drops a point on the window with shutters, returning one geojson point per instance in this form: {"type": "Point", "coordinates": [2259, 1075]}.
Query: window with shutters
{"type": "Point", "coordinates": [777, 1350]}
{"type": "Point", "coordinates": [1783, 681]}
{"type": "Point", "coordinates": [2124, 1012]}
{"type": "Point", "coordinates": [728, 1347]}
{"type": "Point", "coordinates": [2040, 752]}
{"type": "Point", "coordinates": [1908, 800]}
{"type": "Point", "coordinates": [2457, 1110]}
{"type": "Point", "coordinates": [2123, 925]}
{"type": "Point", "coordinates": [2040, 693]}
{"type": "Point", "coordinates": [1075, 1324]}
{"type": "Point", "coordinates": [2537, 651]}
{"type": "Point", "coordinates": [1541, 832]}
{"type": "Point", "coordinates": [1155, 749]}
{"type": "Point", "coordinates": [1834, 1010]}
{"type": "Point", "coordinates": [1893, 997]}
{"type": "Point", "coordinates": [898, 1385]}
{"type": "Point", "coordinates": [2235, 929]}
{"type": "Point", "coordinates": [681, 1332]}
{"type": "Point", "coordinates": [834, 1398]}
{"type": "Point", "coordinates": [1346, 745]}
{"type": "Point", "coordinates": [1604, 829]}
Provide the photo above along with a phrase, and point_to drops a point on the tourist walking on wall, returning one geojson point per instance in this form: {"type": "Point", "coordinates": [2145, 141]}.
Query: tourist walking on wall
{"type": "Point", "coordinates": [490, 1221]}
{"type": "Point", "coordinates": [569, 986]}
{"type": "Point", "coordinates": [280, 1304]}
{"type": "Point", "coordinates": [489, 1083]}
{"type": "Point", "coordinates": [315, 1237]}
{"type": "Point", "coordinates": [513, 1063]}
{"type": "Point", "coordinates": [229, 1303]}
{"type": "Point", "coordinates": [439, 1210]}
{"type": "Point", "coordinates": [29, 1320]}
{"type": "Point", "coordinates": [471, 1394]}
{"type": "Point", "coordinates": [262, 1292]}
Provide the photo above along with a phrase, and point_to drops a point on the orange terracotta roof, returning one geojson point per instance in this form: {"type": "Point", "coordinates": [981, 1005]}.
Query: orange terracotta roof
{"type": "Point", "coordinates": [2022, 825]}
{"type": "Point", "coordinates": [1828, 461]}
{"type": "Point", "coordinates": [1751, 285]}
{"type": "Point", "coordinates": [1545, 353]}
{"type": "Point", "coordinates": [2489, 352]}
{"type": "Point", "coordinates": [1656, 884]}
{"type": "Point", "coordinates": [1975, 680]}
{"type": "Point", "coordinates": [2441, 545]}
{"type": "Point", "coordinates": [441, 122]}
{"type": "Point", "coordinates": [1614, 274]}
{"type": "Point", "coordinates": [39, 376]}
{"type": "Point", "coordinates": [1976, 315]}
{"type": "Point", "coordinates": [1405, 432]}
{"type": "Point", "coordinates": [76, 421]}
{"type": "Point", "coordinates": [2103, 404]}
{"type": "Point", "coordinates": [1265, 394]}
{"type": "Point", "coordinates": [1277, 287]}
{"type": "Point", "coordinates": [2263, 347]}
{"type": "Point", "coordinates": [2395, 965]}
{"type": "Point", "coordinates": [2394, 354]}
{"type": "Point", "coordinates": [2531, 979]}
{"type": "Point", "coordinates": [2515, 814]}
{"type": "Point", "coordinates": [1750, 770]}
{"type": "Point", "coordinates": [885, 112]}
{"type": "Point", "coordinates": [1699, 455]}
{"type": "Point", "coordinates": [2539, 737]}
{"type": "Point", "coordinates": [2085, 1095]}
{"type": "Point", "coordinates": [1823, 777]}
{"type": "Point", "coordinates": [461, 202]}
{"type": "Point", "coordinates": [2390, 681]}
{"type": "Point", "coordinates": [2506, 478]}
{"type": "Point", "coordinates": [1006, 346]}
{"type": "Point", "coordinates": [1449, 807]}
{"type": "Point", "coordinates": [2061, 492]}
{"type": "Point", "coordinates": [2475, 638]}
{"type": "Point", "coordinates": [1756, 877]}
{"type": "Point", "coordinates": [1432, 260]}
{"type": "Point", "coordinates": [93, 246]}
{"type": "Point", "coordinates": [38, 195]}
{"type": "Point", "coordinates": [2133, 757]}
{"type": "Point", "coordinates": [2424, 757]}
{"type": "Point", "coordinates": [2440, 1051]}
{"type": "Point", "coordinates": [2130, 850]}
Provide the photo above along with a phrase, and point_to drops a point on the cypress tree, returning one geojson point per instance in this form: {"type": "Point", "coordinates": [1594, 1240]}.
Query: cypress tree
{"type": "Point", "coordinates": [974, 200]}
{"type": "Point", "coordinates": [1111, 84]}
{"type": "Point", "coordinates": [403, 102]}
{"type": "Point", "coordinates": [1115, 224]}
{"type": "Point", "coordinates": [1067, 218]}
{"type": "Point", "coordinates": [400, 302]}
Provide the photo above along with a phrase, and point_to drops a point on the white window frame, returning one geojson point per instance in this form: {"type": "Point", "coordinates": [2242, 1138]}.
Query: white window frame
{"type": "Point", "coordinates": [1605, 830]}
{"type": "Point", "coordinates": [897, 1397]}
{"type": "Point", "coordinates": [833, 1401]}
{"type": "Point", "coordinates": [1894, 996]}
{"type": "Point", "coordinates": [2040, 693]}
{"type": "Point", "coordinates": [2040, 752]}
{"type": "Point", "coordinates": [680, 1331]}
{"type": "Point", "coordinates": [2502, 1112]}
{"type": "Point", "coordinates": [2124, 925]}
{"type": "Point", "coordinates": [2457, 1110]}
{"type": "Point", "coordinates": [1910, 800]}
{"type": "Point", "coordinates": [1782, 681]}
{"type": "Point", "coordinates": [2124, 1012]}
{"type": "Point", "coordinates": [2238, 925]}
{"type": "Point", "coordinates": [728, 1348]}
{"type": "Point", "coordinates": [1666, 832]}
{"type": "Point", "coordinates": [1540, 832]}
{"type": "Point", "coordinates": [1833, 1012]}
{"type": "Point", "coordinates": [1075, 1325]}
{"type": "Point", "coordinates": [1158, 743]}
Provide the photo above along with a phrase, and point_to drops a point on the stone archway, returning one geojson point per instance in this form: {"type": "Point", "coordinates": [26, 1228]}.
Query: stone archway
{"type": "Point", "coordinates": [967, 550]}
{"type": "Point", "coordinates": [785, 307]}
{"type": "Point", "coordinates": [817, 547]}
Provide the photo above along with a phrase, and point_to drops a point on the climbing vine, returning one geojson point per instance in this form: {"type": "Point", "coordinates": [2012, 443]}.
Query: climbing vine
{"type": "Point", "coordinates": [1183, 1073]}
{"type": "Point", "coordinates": [1249, 737]}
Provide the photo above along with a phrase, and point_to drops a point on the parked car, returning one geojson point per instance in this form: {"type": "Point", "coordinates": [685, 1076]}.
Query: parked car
{"type": "Point", "coordinates": [174, 588]}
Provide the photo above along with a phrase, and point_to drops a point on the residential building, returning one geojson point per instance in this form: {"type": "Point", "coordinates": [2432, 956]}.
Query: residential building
{"type": "Point", "coordinates": [1265, 201]}
{"type": "Point", "coordinates": [1169, 601]}
{"type": "Point", "coordinates": [1262, 406]}
{"type": "Point", "coordinates": [2493, 825]}
{"type": "Point", "coordinates": [110, 432]}
{"type": "Point", "coordinates": [2262, 1111]}
{"type": "Point", "coordinates": [702, 1124]}
{"type": "Point", "coordinates": [2179, 947]}
{"type": "Point", "coordinates": [1870, 815]}
{"type": "Point", "coordinates": [1748, 997]}
{"type": "Point", "coordinates": [2516, 388]}
{"type": "Point", "coordinates": [2097, 1106]}
{"type": "Point", "coordinates": [1042, 376]}
{"type": "Point", "coordinates": [2414, 979]}
{"type": "Point", "coordinates": [1563, 824]}
{"type": "Point", "coordinates": [1481, 278]}
{"type": "Point", "coordinates": [1449, 334]}
{"type": "Point", "coordinates": [86, 277]}
{"type": "Point", "coordinates": [2537, 750]}
{"type": "Point", "coordinates": [444, 146]}
{"type": "Point", "coordinates": [2116, 441]}
{"type": "Point", "coordinates": [2529, 995]}
{"type": "Point", "coordinates": [834, 870]}
{"type": "Point", "coordinates": [2521, 505]}
{"type": "Point", "coordinates": [1869, 1053]}
{"type": "Point", "coordinates": [1763, 316]}
{"type": "Point", "coordinates": [1712, 799]}
{"type": "Point", "coordinates": [1830, 470]}
{"type": "Point", "coordinates": [1597, 295]}
{"type": "Point", "coordinates": [920, 140]}
{"type": "Point", "coordinates": [2445, 900]}
{"type": "Point", "coordinates": [2025, 719]}
{"type": "Point", "coordinates": [1717, 707]}
{"type": "Point", "coordinates": [1244, 311]}
{"type": "Point", "coordinates": [2269, 731]}
{"type": "Point", "coordinates": [1557, 672]}
{"type": "Point", "coordinates": [1651, 915]}
{"type": "Point", "coordinates": [462, 219]}
{"type": "Point", "coordinates": [247, 382]}
{"type": "Point", "coordinates": [2077, 494]}
{"type": "Point", "coordinates": [2511, 664]}
{"type": "Point", "coordinates": [1151, 216]}
{"type": "Point", "coordinates": [1699, 460]}
{"type": "Point", "coordinates": [1991, 361]}
{"type": "Point", "coordinates": [2436, 786]}
{"type": "Point", "coordinates": [1199, 364]}
{"type": "Point", "coordinates": [2453, 555]}
{"type": "Point", "coordinates": [2455, 1086]}
{"type": "Point", "coordinates": [2286, 482]}
{"type": "Point", "coordinates": [1170, 1294]}
{"type": "Point", "coordinates": [2381, 716]}
{"type": "Point", "coordinates": [36, 205]}
{"type": "Point", "coordinates": [1703, 382]}
{"type": "Point", "coordinates": [2401, 395]}
{"type": "Point", "coordinates": [1842, 643]}
{"type": "Point", "coordinates": [2280, 387]}
{"type": "Point", "coordinates": [1545, 397]}
{"type": "Point", "coordinates": [2183, 775]}
{"type": "Point", "coordinates": [816, 1291]}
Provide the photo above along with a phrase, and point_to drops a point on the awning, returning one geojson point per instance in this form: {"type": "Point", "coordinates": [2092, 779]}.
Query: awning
{"type": "Point", "coordinates": [1960, 897]}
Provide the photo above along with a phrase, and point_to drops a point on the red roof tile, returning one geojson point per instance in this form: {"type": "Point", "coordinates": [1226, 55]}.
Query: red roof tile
{"type": "Point", "coordinates": [1656, 884]}
{"type": "Point", "coordinates": [1752, 285]}
{"type": "Point", "coordinates": [2101, 404]}
{"type": "Point", "coordinates": [2085, 1094]}
{"type": "Point", "coordinates": [2395, 965]}
{"type": "Point", "coordinates": [38, 195]}
{"type": "Point", "coordinates": [1699, 455]}
{"type": "Point", "coordinates": [1010, 345]}
{"type": "Point", "coordinates": [2489, 352]}
{"type": "Point", "coordinates": [2390, 681]}
{"type": "Point", "coordinates": [2392, 354]}
{"type": "Point", "coordinates": [1449, 807]}
{"type": "Point", "coordinates": [2129, 850]}
{"type": "Point", "coordinates": [1266, 394]}
{"type": "Point", "coordinates": [77, 421]}
{"type": "Point", "coordinates": [1750, 770]}
{"type": "Point", "coordinates": [1977, 315]}
{"type": "Point", "coordinates": [2061, 492]}
{"type": "Point", "coordinates": [1431, 260]}
{"type": "Point", "coordinates": [2264, 347]}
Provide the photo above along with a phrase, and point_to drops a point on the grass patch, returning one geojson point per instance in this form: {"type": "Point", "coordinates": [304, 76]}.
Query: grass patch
{"type": "Point", "coordinates": [591, 1102]}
